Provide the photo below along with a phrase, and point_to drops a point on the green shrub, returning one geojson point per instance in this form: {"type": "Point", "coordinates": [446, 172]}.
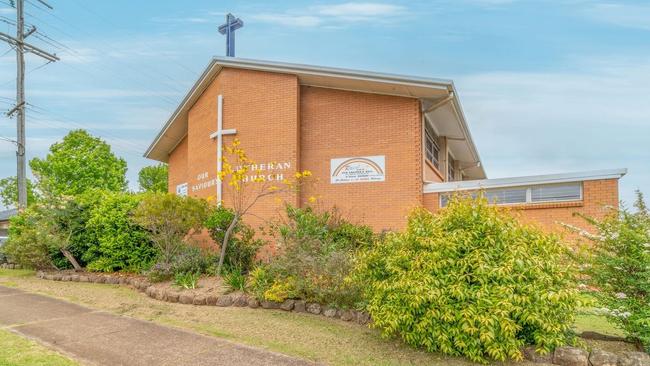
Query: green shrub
{"type": "Point", "coordinates": [189, 259]}
{"type": "Point", "coordinates": [243, 246]}
{"type": "Point", "coordinates": [315, 256]}
{"type": "Point", "coordinates": [168, 218]}
{"type": "Point", "coordinates": [235, 280]}
{"type": "Point", "coordinates": [30, 243]}
{"type": "Point", "coordinates": [186, 280]}
{"type": "Point", "coordinates": [160, 272]}
{"type": "Point", "coordinates": [121, 243]}
{"type": "Point", "coordinates": [620, 269]}
{"type": "Point", "coordinates": [470, 281]}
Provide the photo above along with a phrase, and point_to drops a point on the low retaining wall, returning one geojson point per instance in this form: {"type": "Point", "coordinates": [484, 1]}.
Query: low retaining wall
{"type": "Point", "coordinates": [224, 300]}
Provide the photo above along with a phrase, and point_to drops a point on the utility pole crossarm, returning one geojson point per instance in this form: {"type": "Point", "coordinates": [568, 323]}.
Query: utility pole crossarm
{"type": "Point", "coordinates": [29, 48]}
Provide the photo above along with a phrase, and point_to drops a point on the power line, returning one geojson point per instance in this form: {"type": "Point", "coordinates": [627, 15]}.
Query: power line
{"type": "Point", "coordinates": [21, 47]}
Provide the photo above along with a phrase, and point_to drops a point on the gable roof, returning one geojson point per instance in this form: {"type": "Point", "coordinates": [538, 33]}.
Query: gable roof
{"type": "Point", "coordinates": [429, 90]}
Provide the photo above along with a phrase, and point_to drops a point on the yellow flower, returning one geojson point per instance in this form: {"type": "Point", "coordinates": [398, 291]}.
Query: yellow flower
{"type": "Point", "coordinates": [311, 199]}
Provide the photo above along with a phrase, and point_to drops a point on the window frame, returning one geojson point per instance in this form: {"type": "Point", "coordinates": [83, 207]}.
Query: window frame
{"type": "Point", "coordinates": [444, 196]}
{"type": "Point", "coordinates": [431, 136]}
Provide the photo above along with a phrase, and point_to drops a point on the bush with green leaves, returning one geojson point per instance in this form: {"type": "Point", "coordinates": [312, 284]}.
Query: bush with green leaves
{"type": "Point", "coordinates": [122, 244]}
{"type": "Point", "coordinates": [235, 280]}
{"type": "Point", "coordinates": [243, 245]}
{"type": "Point", "coordinates": [30, 242]}
{"type": "Point", "coordinates": [620, 269]}
{"type": "Point", "coordinates": [470, 281]}
{"type": "Point", "coordinates": [315, 256]}
{"type": "Point", "coordinates": [168, 218]}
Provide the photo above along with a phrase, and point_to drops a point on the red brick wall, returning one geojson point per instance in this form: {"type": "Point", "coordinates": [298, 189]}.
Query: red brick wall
{"type": "Point", "coordinates": [263, 108]}
{"type": "Point", "coordinates": [177, 172]}
{"type": "Point", "coordinates": [339, 124]}
{"type": "Point", "coordinates": [597, 195]}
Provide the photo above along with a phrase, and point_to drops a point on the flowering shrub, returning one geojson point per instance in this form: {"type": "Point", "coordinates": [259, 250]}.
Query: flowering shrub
{"type": "Point", "coordinates": [620, 269]}
{"type": "Point", "coordinates": [470, 281]}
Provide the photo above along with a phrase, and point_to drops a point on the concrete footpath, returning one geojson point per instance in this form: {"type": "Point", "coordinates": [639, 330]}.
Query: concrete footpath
{"type": "Point", "coordinates": [100, 338]}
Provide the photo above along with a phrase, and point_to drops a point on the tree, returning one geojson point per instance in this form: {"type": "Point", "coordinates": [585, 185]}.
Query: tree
{"type": "Point", "coordinates": [246, 191]}
{"type": "Point", "coordinates": [77, 163]}
{"type": "Point", "coordinates": [9, 192]}
{"type": "Point", "coordinates": [153, 178]}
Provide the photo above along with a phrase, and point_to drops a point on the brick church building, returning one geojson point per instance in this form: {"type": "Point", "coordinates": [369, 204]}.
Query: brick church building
{"type": "Point", "coordinates": [378, 145]}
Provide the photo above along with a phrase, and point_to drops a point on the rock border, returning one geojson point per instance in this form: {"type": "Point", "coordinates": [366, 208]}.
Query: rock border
{"type": "Point", "coordinates": [10, 266]}
{"type": "Point", "coordinates": [572, 356]}
{"type": "Point", "coordinates": [224, 300]}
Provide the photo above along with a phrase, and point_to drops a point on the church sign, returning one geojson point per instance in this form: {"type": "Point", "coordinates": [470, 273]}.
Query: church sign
{"type": "Point", "coordinates": [358, 169]}
{"type": "Point", "coordinates": [181, 189]}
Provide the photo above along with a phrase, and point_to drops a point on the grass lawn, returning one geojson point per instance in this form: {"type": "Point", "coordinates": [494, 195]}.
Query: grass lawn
{"type": "Point", "coordinates": [332, 342]}
{"type": "Point", "coordinates": [18, 351]}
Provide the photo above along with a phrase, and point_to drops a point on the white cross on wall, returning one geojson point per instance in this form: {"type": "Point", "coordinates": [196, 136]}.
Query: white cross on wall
{"type": "Point", "coordinates": [219, 136]}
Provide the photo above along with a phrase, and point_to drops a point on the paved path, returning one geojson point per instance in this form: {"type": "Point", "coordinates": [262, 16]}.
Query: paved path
{"type": "Point", "coordinates": [101, 338]}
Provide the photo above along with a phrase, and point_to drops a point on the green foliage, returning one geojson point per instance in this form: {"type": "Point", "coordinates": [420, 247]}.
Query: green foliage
{"type": "Point", "coordinates": [186, 280]}
{"type": "Point", "coordinates": [470, 281]}
{"type": "Point", "coordinates": [121, 243]}
{"type": "Point", "coordinates": [188, 259]}
{"type": "Point", "coordinates": [242, 247]}
{"type": "Point", "coordinates": [260, 280]}
{"type": "Point", "coordinates": [315, 256]}
{"type": "Point", "coordinates": [620, 269]}
{"type": "Point", "coordinates": [78, 163]}
{"type": "Point", "coordinates": [235, 280]}
{"type": "Point", "coordinates": [30, 243]}
{"type": "Point", "coordinates": [153, 178]}
{"type": "Point", "coordinates": [168, 218]}
{"type": "Point", "coordinates": [9, 192]}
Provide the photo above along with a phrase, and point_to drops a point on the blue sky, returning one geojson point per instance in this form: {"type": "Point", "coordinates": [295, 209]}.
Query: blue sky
{"type": "Point", "coordinates": [547, 86]}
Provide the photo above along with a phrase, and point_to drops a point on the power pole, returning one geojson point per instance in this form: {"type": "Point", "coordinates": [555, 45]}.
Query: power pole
{"type": "Point", "coordinates": [21, 47]}
{"type": "Point", "coordinates": [21, 176]}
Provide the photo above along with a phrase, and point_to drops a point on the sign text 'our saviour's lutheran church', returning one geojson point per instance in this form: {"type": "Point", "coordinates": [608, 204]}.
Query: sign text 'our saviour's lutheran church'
{"type": "Point", "coordinates": [267, 171]}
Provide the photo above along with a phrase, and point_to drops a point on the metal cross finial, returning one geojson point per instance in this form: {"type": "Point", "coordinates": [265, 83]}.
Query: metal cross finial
{"type": "Point", "coordinates": [232, 24]}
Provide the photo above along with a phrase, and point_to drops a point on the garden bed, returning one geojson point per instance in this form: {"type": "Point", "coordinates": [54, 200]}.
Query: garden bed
{"type": "Point", "coordinates": [209, 292]}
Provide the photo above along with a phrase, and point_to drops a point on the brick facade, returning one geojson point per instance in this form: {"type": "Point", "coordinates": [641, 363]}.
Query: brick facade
{"type": "Point", "coordinates": [597, 196]}
{"type": "Point", "coordinates": [278, 120]}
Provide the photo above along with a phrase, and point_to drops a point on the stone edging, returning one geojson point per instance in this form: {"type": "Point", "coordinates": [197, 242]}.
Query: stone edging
{"type": "Point", "coordinates": [572, 356]}
{"type": "Point", "coordinates": [10, 266]}
{"type": "Point", "coordinates": [239, 300]}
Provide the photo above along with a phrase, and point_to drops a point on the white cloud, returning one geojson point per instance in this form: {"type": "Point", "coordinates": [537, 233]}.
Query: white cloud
{"type": "Point", "coordinates": [335, 15]}
{"type": "Point", "coordinates": [622, 15]}
{"type": "Point", "coordinates": [549, 122]}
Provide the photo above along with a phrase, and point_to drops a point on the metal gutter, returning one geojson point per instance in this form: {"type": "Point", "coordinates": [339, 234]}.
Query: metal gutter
{"type": "Point", "coordinates": [524, 181]}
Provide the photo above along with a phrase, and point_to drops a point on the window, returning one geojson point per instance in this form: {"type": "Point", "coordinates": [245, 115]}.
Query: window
{"type": "Point", "coordinates": [451, 172]}
{"type": "Point", "coordinates": [556, 192]}
{"type": "Point", "coordinates": [432, 150]}
{"type": "Point", "coordinates": [531, 194]}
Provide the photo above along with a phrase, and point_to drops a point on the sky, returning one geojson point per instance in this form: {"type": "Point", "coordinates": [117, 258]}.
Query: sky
{"type": "Point", "coordinates": [547, 86]}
